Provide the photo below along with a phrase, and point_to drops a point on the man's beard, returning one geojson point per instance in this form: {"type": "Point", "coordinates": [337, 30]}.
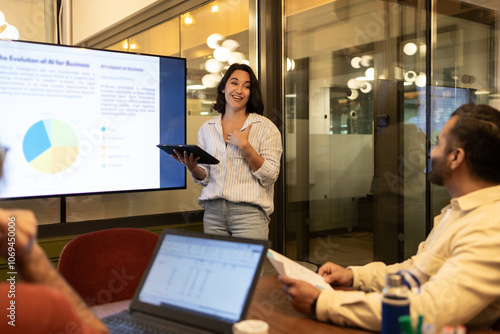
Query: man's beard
{"type": "Point", "coordinates": [440, 171]}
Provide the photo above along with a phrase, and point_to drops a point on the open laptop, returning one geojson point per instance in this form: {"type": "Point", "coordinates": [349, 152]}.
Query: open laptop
{"type": "Point", "coordinates": [194, 283]}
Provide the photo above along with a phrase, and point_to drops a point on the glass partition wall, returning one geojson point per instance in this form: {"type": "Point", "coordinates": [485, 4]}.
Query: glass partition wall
{"type": "Point", "coordinates": [368, 85]}
{"type": "Point", "coordinates": [465, 64]}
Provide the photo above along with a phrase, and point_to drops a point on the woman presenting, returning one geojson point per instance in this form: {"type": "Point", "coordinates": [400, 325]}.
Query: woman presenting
{"type": "Point", "coordinates": [238, 192]}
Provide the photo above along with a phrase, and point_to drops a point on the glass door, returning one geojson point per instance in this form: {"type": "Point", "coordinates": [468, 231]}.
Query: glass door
{"type": "Point", "coordinates": [354, 159]}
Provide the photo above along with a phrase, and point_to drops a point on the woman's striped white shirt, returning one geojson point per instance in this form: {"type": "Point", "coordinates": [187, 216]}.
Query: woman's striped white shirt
{"type": "Point", "coordinates": [233, 179]}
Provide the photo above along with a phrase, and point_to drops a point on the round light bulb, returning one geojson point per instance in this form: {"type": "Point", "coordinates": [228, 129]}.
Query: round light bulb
{"type": "Point", "coordinates": [221, 54]}
{"type": "Point", "coordinates": [216, 77]}
{"type": "Point", "coordinates": [365, 60]}
{"type": "Point", "coordinates": [355, 62]}
{"type": "Point", "coordinates": [365, 87]}
{"type": "Point", "coordinates": [421, 80]}
{"type": "Point", "coordinates": [213, 66]}
{"type": "Point", "coordinates": [370, 73]}
{"type": "Point", "coordinates": [354, 94]}
{"type": "Point", "coordinates": [208, 81]}
{"type": "Point", "coordinates": [410, 76]}
{"type": "Point", "coordinates": [235, 57]}
{"type": "Point", "coordinates": [230, 44]}
{"type": "Point", "coordinates": [353, 84]}
{"type": "Point", "coordinates": [410, 49]}
{"type": "Point", "coordinates": [214, 40]}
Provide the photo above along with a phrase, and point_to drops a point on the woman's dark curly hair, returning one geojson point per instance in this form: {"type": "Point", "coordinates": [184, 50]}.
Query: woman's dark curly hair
{"type": "Point", "coordinates": [254, 103]}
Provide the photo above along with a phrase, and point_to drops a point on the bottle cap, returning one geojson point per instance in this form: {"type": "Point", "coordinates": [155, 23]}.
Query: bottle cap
{"type": "Point", "coordinates": [394, 280]}
{"type": "Point", "coordinates": [251, 326]}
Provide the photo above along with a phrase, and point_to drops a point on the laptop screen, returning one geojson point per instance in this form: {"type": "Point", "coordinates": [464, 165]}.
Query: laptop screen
{"type": "Point", "coordinates": [202, 275]}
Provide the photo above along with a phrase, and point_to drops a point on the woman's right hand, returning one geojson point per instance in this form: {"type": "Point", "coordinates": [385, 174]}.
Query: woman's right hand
{"type": "Point", "coordinates": [336, 275]}
{"type": "Point", "coordinates": [187, 160]}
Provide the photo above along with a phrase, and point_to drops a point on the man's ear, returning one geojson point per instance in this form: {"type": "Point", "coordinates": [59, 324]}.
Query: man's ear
{"type": "Point", "coordinates": [457, 157]}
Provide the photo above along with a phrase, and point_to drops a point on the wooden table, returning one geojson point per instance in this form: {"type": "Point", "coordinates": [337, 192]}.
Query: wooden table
{"type": "Point", "coordinates": [271, 305]}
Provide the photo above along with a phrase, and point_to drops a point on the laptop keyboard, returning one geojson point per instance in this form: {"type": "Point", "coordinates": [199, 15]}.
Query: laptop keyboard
{"type": "Point", "coordinates": [118, 325]}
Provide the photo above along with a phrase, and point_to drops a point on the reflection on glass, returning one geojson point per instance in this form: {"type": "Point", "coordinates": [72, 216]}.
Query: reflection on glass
{"type": "Point", "coordinates": [211, 40]}
{"type": "Point", "coordinates": [358, 104]}
{"type": "Point", "coordinates": [464, 59]}
{"type": "Point", "coordinates": [347, 104]}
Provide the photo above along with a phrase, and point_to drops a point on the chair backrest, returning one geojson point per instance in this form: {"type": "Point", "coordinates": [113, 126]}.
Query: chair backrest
{"type": "Point", "coordinates": [107, 266]}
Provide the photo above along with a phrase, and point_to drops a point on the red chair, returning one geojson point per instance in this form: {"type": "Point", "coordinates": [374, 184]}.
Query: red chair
{"type": "Point", "coordinates": [107, 266]}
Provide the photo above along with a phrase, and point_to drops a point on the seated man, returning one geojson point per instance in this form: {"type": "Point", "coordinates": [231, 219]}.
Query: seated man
{"type": "Point", "coordinates": [458, 264]}
{"type": "Point", "coordinates": [42, 302]}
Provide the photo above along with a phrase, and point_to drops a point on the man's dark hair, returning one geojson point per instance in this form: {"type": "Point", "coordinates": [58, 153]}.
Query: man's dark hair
{"type": "Point", "coordinates": [477, 131]}
{"type": "Point", "coordinates": [254, 103]}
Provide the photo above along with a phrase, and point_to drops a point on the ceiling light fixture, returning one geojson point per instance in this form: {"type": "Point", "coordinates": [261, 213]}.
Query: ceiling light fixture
{"type": "Point", "coordinates": [188, 19]}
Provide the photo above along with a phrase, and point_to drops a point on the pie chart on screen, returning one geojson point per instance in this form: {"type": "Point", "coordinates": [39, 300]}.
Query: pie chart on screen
{"type": "Point", "coordinates": [50, 146]}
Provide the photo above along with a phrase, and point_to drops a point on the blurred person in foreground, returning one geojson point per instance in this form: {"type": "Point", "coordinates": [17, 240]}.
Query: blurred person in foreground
{"type": "Point", "coordinates": [35, 298]}
{"type": "Point", "coordinates": [458, 265]}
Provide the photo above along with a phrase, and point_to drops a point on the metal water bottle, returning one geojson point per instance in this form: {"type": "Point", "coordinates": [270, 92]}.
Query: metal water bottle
{"type": "Point", "coordinates": [395, 303]}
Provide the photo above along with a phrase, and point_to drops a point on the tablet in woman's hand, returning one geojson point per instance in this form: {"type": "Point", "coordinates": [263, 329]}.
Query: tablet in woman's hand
{"type": "Point", "coordinates": [205, 157]}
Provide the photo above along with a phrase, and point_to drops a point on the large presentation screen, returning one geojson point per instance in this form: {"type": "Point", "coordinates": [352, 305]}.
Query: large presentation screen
{"type": "Point", "coordinates": [80, 121]}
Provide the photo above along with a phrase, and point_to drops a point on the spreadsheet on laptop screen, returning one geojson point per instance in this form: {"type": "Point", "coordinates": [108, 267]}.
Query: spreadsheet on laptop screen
{"type": "Point", "coordinates": [208, 276]}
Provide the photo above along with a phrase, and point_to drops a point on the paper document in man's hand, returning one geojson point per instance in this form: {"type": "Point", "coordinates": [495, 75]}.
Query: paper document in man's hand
{"type": "Point", "coordinates": [292, 269]}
